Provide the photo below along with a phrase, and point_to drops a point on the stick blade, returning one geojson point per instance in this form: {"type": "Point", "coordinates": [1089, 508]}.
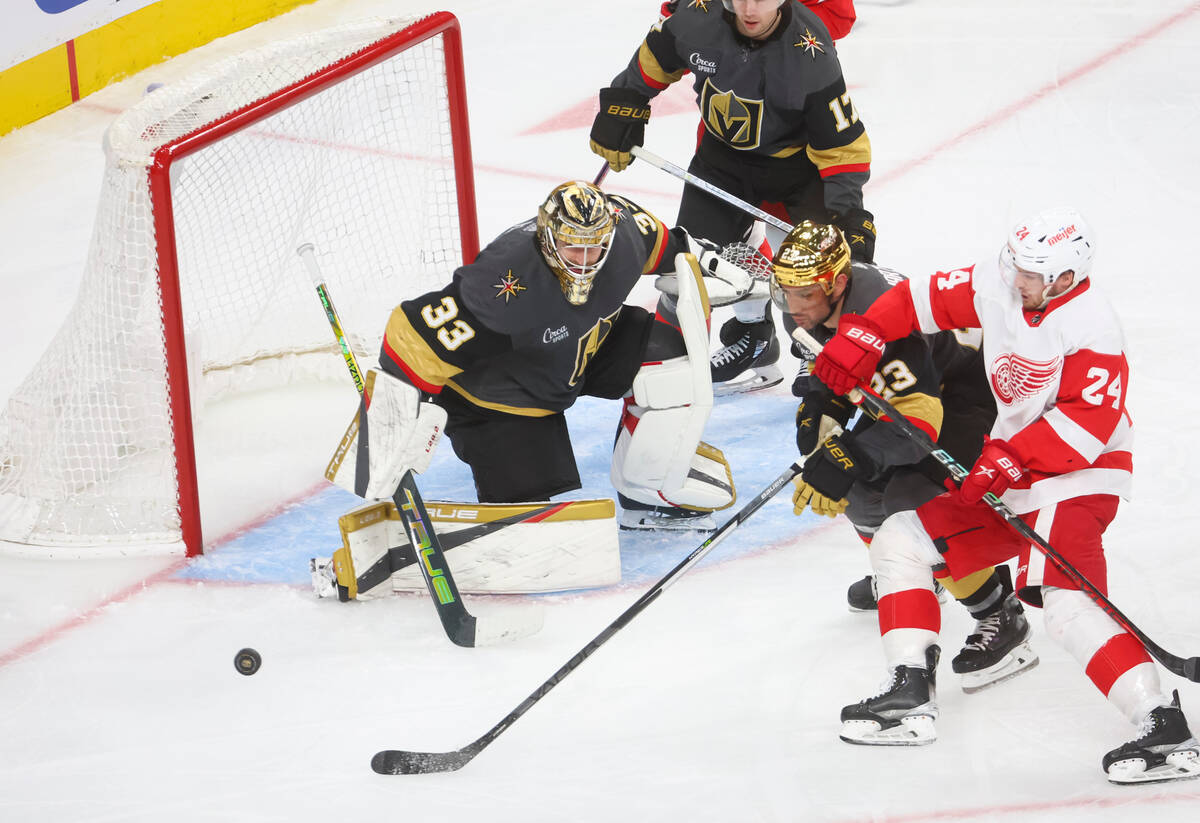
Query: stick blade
{"type": "Point", "coordinates": [397, 761]}
{"type": "Point", "coordinates": [1191, 669]}
{"type": "Point", "coordinates": [508, 625]}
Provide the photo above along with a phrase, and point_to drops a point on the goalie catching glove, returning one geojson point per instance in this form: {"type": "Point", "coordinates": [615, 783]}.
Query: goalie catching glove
{"type": "Point", "coordinates": [725, 282]}
{"type": "Point", "coordinates": [393, 432]}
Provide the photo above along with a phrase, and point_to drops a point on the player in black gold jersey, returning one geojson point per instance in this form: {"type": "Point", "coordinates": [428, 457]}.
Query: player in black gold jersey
{"type": "Point", "coordinates": [872, 469]}
{"type": "Point", "coordinates": [777, 126]}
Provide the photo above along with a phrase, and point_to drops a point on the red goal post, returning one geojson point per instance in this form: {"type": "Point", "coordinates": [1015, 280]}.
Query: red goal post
{"type": "Point", "coordinates": [355, 139]}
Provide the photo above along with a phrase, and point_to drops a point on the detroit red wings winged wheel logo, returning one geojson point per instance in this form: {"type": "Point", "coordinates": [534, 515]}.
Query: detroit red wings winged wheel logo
{"type": "Point", "coordinates": [1016, 378]}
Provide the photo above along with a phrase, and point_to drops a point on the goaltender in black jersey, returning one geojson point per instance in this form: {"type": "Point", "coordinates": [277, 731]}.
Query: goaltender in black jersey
{"type": "Point", "coordinates": [536, 321]}
{"type": "Point", "coordinates": [496, 356]}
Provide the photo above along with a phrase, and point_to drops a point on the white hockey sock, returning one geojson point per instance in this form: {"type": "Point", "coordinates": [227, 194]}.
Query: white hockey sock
{"type": "Point", "coordinates": [751, 310]}
{"type": "Point", "coordinates": [1103, 648]}
{"type": "Point", "coordinates": [902, 556]}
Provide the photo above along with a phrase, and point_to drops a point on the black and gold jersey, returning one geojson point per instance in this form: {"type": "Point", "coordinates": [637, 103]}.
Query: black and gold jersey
{"type": "Point", "coordinates": [918, 375]}
{"type": "Point", "coordinates": [773, 97]}
{"type": "Point", "coordinates": [502, 335]}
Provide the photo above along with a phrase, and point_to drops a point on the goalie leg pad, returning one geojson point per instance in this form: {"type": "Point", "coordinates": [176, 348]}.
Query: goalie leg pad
{"type": "Point", "coordinates": [492, 548]}
{"type": "Point", "coordinates": [658, 458]}
{"type": "Point", "coordinates": [649, 451]}
{"type": "Point", "coordinates": [514, 548]}
{"type": "Point", "coordinates": [371, 538]}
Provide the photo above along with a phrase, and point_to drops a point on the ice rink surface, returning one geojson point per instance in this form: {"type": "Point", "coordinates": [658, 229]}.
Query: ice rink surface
{"type": "Point", "coordinates": [720, 702]}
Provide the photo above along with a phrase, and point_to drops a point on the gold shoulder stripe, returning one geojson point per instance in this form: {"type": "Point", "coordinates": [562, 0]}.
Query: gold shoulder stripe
{"type": "Point", "coordinates": [407, 342]}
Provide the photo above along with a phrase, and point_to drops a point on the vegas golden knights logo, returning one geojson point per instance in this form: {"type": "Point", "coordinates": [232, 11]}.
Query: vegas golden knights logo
{"type": "Point", "coordinates": [733, 119]}
{"type": "Point", "coordinates": [589, 344]}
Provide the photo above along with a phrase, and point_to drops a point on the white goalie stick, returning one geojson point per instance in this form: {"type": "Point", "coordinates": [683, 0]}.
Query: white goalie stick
{"type": "Point", "coordinates": [398, 761]}
{"type": "Point", "coordinates": [1184, 667]}
{"type": "Point", "coordinates": [462, 627]}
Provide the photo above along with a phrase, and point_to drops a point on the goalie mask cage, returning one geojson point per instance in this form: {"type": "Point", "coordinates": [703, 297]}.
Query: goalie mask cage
{"type": "Point", "coordinates": [354, 139]}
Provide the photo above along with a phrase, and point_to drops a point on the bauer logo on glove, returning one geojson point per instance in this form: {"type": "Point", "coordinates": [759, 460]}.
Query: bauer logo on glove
{"type": "Point", "coordinates": [997, 469]}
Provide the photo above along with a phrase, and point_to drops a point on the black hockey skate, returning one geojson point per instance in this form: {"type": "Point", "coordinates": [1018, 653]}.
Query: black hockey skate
{"type": "Point", "coordinates": [903, 714]}
{"type": "Point", "coordinates": [863, 596]}
{"type": "Point", "coordinates": [747, 361]}
{"type": "Point", "coordinates": [1166, 750]}
{"type": "Point", "coordinates": [998, 649]}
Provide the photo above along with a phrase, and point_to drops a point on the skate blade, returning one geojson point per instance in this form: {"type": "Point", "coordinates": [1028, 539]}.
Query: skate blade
{"type": "Point", "coordinates": [914, 730]}
{"type": "Point", "coordinates": [760, 377]}
{"type": "Point", "coordinates": [1018, 661]}
{"type": "Point", "coordinates": [702, 525]}
{"type": "Point", "coordinates": [1181, 765]}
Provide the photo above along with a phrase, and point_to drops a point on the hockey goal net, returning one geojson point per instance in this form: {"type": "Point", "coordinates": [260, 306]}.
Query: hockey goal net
{"type": "Point", "coordinates": [354, 139]}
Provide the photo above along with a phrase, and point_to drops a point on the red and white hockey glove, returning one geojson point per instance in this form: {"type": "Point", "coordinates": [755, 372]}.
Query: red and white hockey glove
{"type": "Point", "coordinates": [851, 356]}
{"type": "Point", "coordinates": [997, 469]}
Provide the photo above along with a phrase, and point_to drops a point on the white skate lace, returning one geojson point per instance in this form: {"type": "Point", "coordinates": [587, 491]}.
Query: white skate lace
{"type": "Point", "coordinates": [886, 686]}
{"type": "Point", "coordinates": [733, 351]}
{"type": "Point", "coordinates": [985, 630]}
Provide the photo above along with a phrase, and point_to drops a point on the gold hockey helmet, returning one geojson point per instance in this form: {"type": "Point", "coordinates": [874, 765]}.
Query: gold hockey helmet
{"type": "Point", "coordinates": [577, 220]}
{"type": "Point", "coordinates": [812, 254]}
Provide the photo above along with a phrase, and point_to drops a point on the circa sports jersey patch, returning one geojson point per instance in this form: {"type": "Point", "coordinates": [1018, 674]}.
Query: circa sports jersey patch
{"type": "Point", "coordinates": [700, 63]}
{"type": "Point", "coordinates": [809, 42]}
{"type": "Point", "coordinates": [508, 287]}
{"type": "Point", "coordinates": [555, 335]}
{"type": "Point", "coordinates": [1017, 378]}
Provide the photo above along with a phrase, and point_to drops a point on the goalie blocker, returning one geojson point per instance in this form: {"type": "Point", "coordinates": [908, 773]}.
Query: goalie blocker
{"type": "Point", "coordinates": [494, 548]}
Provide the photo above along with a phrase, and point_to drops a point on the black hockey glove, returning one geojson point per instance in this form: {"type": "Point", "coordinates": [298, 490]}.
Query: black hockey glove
{"type": "Point", "coordinates": [619, 125]}
{"type": "Point", "coordinates": [827, 477]}
{"type": "Point", "coordinates": [819, 402]}
{"type": "Point", "coordinates": [802, 385]}
{"type": "Point", "coordinates": [859, 227]}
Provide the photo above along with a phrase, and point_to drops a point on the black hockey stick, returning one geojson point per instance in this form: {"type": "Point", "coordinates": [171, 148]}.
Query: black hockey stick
{"type": "Point", "coordinates": [398, 761]}
{"type": "Point", "coordinates": [462, 627]}
{"type": "Point", "coordinates": [1184, 667]}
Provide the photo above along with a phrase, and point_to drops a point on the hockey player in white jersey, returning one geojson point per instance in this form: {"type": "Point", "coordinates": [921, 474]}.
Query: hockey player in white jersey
{"type": "Point", "coordinates": [1059, 455]}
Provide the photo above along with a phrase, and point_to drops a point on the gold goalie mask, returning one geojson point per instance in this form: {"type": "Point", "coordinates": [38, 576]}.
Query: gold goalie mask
{"type": "Point", "coordinates": [575, 230]}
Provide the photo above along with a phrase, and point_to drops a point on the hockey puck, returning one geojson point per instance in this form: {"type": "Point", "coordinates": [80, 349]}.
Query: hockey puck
{"type": "Point", "coordinates": [247, 661]}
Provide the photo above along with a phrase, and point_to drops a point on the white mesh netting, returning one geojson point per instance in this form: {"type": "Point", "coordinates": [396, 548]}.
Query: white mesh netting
{"type": "Point", "coordinates": [362, 169]}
